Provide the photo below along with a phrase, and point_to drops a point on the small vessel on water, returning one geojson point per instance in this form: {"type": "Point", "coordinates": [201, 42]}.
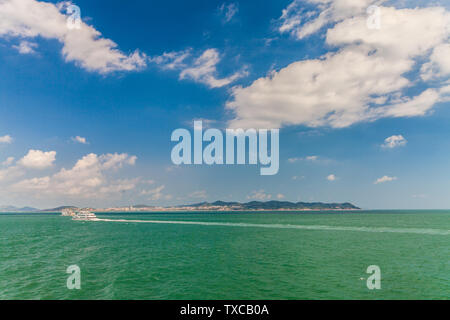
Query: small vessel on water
{"type": "Point", "coordinates": [84, 215]}
{"type": "Point", "coordinates": [78, 214]}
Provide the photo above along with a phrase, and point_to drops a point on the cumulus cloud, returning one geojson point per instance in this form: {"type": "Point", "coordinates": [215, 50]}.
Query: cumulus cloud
{"type": "Point", "coordinates": [384, 179]}
{"type": "Point", "coordinates": [34, 159]}
{"type": "Point", "coordinates": [116, 160]}
{"type": "Point", "coordinates": [79, 139]}
{"type": "Point", "coordinates": [6, 139]}
{"type": "Point", "coordinates": [364, 80]}
{"type": "Point", "coordinates": [85, 46]}
{"type": "Point", "coordinates": [37, 159]}
{"type": "Point", "coordinates": [439, 64]}
{"type": "Point", "coordinates": [26, 47]}
{"type": "Point", "coordinates": [303, 18]}
{"type": "Point", "coordinates": [9, 161]}
{"type": "Point", "coordinates": [202, 69]}
{"type": "Point", "coordinates": [86, 179]}
{"type": "Point", "coordinates": [11, 173]}
{"type": "Point", "coordinates": [394, 141]}
{"type": "Point", "coordinates": [331, 177]}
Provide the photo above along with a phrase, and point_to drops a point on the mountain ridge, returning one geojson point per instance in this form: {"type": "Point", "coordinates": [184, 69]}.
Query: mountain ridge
{"type": "Point", "coordinates": [271, 205]}
{"type": "Point", "coordinates": [276, 205]}
{"type": "Point", "coordinates": [9, 208]}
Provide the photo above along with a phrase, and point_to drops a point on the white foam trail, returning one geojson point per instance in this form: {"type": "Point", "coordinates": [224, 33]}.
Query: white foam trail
{"type": "Point", "coordinates": [292, 226]}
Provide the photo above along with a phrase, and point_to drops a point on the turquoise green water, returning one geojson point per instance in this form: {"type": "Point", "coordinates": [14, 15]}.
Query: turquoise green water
{"type": "Point", "coordinates": [132, 260]}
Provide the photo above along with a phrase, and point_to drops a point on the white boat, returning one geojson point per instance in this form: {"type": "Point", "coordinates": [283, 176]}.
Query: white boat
{"type": "Point", "coordinates": [84, 215]}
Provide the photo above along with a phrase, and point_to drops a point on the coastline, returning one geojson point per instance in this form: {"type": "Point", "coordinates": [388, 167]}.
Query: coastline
{"type": "Point", "coordinates": [219, 206]}
{"type": "Point", "coordinates": [184, 210]}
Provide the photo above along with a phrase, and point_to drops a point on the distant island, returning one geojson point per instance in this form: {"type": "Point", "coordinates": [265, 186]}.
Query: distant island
{"type": "Point", "coordinates": [17, 209]}
{"type": "Point", "coordinates": [227, 206]}
{"type": "Point", "coordinates": [208, 206]}
{"type": "Point", "coordinates": [268, 206]}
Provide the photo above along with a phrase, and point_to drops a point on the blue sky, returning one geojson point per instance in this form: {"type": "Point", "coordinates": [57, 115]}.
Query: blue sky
{"type": "Point", "coordinates": [335, 87]}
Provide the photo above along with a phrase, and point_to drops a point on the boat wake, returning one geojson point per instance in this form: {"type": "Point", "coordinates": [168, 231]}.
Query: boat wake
{"type": "Point", "coordinates": [291, 226]}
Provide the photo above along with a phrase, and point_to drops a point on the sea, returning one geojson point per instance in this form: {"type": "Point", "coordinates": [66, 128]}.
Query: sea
{"type": "Point", "coordinates": [218, 255]}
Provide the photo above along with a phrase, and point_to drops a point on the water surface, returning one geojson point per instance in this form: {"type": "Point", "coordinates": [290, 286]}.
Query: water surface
{"type": "Point", "coordinates": [227, 256]}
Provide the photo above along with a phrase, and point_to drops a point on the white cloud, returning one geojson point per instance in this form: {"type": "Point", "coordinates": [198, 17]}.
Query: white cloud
{"type": "Point", "coordinates": [26, 47]}
{"type": "Point", "coordinates": [301, 22]}
{"type": "Point", "coordinates": [11, 173]}
{"type": "Point", "coordinates": [409, 107]}
{"type": "Point", "coordinates": [364, 80]}
{"type": "Point", "coordinates": [9, 161]}
{"type": "Point", "coordinates": [85, 46]}
{"type": "Point", "coordinates": [439, 64]}
{"type": "Point", "coordinates": [116, 160]}
{"type": "Point", "coordinates": [6, 139]}
{"type": "Point", "coordinates": [37, 159]}
{"type": "Point", "coordinates": [394, 141]}
{"type": "Point", "coordinates": [385, 179]}
{"type": "Point", "coordinates": [229, 11]}
{"type": "Point", "coordinates": [445, 93]}
{"type": "Point", "coordinates": [290, 18]}
{"type": "Point", "coordinates": [156, 194]}
{"type": "Point", "coordinates": [79, 139]}
{"type": "Point", "coordinates": [171, 60]}
{"type": "Point", "coordinates": [204, 70]}
{"type": "Point", "coordinates": [34, 159]}
{"type": "Point", "coordinates": [86, 179]}
{"type": "Point", "coordinates": [331, 177]}
{"type": "Point", "coordinates": [298, 177]}
{"type": "Point", "coordinates": [259, 195]}
{"type": "Point", "coordinates": [280, 196]}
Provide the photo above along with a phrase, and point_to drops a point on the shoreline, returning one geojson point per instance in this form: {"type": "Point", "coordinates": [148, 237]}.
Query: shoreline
{"type": "Point", "coordinates": [172, 210]}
